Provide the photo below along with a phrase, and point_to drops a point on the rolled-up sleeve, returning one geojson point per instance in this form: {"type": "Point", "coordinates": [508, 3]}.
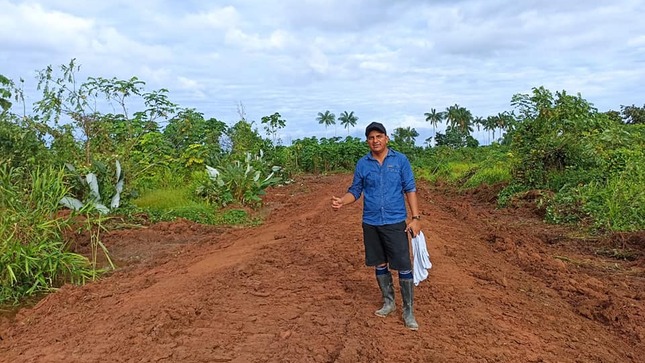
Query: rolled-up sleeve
{"type": "Point", "coordinates": [409, 184]}
{"type": "Point", "coordinates": [356, 189]}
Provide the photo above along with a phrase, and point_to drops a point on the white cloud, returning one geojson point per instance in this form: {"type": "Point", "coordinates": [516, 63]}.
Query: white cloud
{"type": "Point", "coordinates": [110, 42]}
{"type": "Point", "coordinates": [278, 39]}
{"type": "Point", "coordinates": [29, 25]}
{"type": "Point", "coordinates": [375, 66]}
{"type": "Point", "coordinates": [192, 87]}
{"type": "Point", "coordinates": [384, 60]}
{"type": "Point", "coordinates": [637, 41]}
{"type": "Point", "coordinates": [331, 16]}
{"type": "Point", "coordinates": [186, 83]}
{"type": "Point", "coordinates": [156, 75]}
{"type": "Point", "coordinates": [317, 60]}
{"type": "Point", "coordinates": [222, 18]}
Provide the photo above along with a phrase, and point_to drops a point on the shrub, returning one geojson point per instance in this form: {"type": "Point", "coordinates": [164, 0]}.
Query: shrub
{"type": "Point", "coordinates": [238, 181]}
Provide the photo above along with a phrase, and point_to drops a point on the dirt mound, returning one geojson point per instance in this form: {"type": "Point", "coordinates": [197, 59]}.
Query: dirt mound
{"type": "Point", "coordinates": [505, 287]}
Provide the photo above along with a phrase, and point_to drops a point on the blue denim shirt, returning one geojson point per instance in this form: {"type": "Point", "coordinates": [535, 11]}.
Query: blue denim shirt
{"type": "Point", "coordinates": [382, 187]}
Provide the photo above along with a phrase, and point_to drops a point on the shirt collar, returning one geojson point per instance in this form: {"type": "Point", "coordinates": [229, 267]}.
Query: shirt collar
{"type": "Point", "coordinates": [390, 152]}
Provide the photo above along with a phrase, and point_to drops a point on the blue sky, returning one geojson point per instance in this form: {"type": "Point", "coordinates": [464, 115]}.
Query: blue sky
{"type": "Point", "coordinates": [386, 60]}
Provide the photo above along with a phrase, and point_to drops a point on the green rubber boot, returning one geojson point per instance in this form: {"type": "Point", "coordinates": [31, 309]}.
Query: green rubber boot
{"type": "Point", "coordinates": [387, 290]}
{"type": "Point", "coordinates": [407, 293]}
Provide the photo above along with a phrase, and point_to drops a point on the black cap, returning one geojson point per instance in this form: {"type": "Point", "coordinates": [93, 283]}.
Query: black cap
{"type": "Point", "coordinates": [375, 126]}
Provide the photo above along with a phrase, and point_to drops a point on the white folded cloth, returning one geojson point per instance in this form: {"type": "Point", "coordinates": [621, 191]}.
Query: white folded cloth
{"type": "Point", "coordinates": [421, 258]}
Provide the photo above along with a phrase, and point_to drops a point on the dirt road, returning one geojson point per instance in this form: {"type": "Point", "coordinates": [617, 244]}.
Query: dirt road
{"type": "Point", "coordinates": [504, 288]}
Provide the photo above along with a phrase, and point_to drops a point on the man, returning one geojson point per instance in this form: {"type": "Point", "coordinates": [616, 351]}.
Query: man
{"type": "Point", "coordinates": [384, 177]}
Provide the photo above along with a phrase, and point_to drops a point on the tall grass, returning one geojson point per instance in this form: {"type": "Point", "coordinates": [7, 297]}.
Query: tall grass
{"type": "Point", "coordinates": [489, 174]}
{"type": "Point", "coordinates": [465, 168]}
{"type": "Point", "coordinates": [33, 252]}
{"type": "Point", "coordinates": [619, 203]}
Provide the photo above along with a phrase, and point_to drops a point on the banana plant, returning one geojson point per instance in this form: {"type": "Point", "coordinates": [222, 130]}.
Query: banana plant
{"type": "Point", "coordinates": [95, 199]}
{"type": "Point", "coordinates": [238, 181]}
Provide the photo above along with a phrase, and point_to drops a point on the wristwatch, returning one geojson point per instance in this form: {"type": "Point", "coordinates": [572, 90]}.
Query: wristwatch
{"type": "Point", "coordinates": [418, 218]}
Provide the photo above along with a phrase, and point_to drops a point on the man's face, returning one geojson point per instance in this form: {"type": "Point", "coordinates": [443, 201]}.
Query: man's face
{"type": "Point", "coordinates": [377, 140]}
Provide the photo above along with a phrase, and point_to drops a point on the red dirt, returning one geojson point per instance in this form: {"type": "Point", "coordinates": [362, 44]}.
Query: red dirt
{"type": "Point", "coordinates": [505, 287]}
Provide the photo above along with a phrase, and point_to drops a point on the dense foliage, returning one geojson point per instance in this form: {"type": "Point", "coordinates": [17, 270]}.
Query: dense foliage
{"type": "Point", "coordinates": [592, 162]}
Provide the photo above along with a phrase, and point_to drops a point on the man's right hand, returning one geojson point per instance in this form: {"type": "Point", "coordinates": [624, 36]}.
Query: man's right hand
{"type": "Point", "coordinates": [336, 203]}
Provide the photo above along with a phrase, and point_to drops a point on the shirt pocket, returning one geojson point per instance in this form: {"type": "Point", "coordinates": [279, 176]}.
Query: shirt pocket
{"type": "Point", "coordinates": [393, 176]}
{"type": "Point", "coordinates": [373, 179]}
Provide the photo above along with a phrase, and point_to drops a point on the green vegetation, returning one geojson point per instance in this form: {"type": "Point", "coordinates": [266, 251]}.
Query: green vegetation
{"type": "Point", "coordinates": [466, 167]}
{"type": "Point", "coordinates": [34, 255]}
{"type": "Point", "coordinates": [590, 160]}
{"type": "Point", "coordinates": [586, 166]}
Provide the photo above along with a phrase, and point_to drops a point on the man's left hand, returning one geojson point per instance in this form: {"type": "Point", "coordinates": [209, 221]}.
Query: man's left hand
{"type": "Point", "coordinates": [413, 227]}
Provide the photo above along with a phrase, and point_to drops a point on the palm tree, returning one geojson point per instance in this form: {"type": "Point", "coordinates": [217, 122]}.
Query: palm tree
{"type": "Point", "coordinates": [460, 117]}
{"type": "Point", "coordinates": [347, 120]}
{"type": "Point", "coordinates": [326, 118]}
{"type": "Point", "coordinates": [510, 123]}
{"type": "Point", "coordinates": [428, 141]}
{"type": "Point", "coordinates": [405, 136]}
{"type": "Point", "coordinates": [451, 115]}
{"type": "Point", "coordinates": [489, 125]}
{"type": "Point", "coordinates": [479, 122]}
{"type": "Point", "coordinates": [434, 118]}
{"type": "Point", "coordinates": [504, 121]}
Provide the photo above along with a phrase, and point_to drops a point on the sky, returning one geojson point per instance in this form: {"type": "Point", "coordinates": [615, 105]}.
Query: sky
{"type": "Point", "coordinates": [386, 60]}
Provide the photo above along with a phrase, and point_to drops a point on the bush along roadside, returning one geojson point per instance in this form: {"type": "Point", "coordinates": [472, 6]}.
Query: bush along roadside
{"type": "Point", "coordinates": [34, 255]}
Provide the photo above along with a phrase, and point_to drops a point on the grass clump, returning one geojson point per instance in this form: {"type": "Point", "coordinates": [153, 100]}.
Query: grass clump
{"type": "Point", "coordinates": [168, 204]}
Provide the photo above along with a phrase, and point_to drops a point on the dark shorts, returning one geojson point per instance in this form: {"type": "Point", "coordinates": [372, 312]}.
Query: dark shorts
{"type": "Point", "coordinates": [387, 244]}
